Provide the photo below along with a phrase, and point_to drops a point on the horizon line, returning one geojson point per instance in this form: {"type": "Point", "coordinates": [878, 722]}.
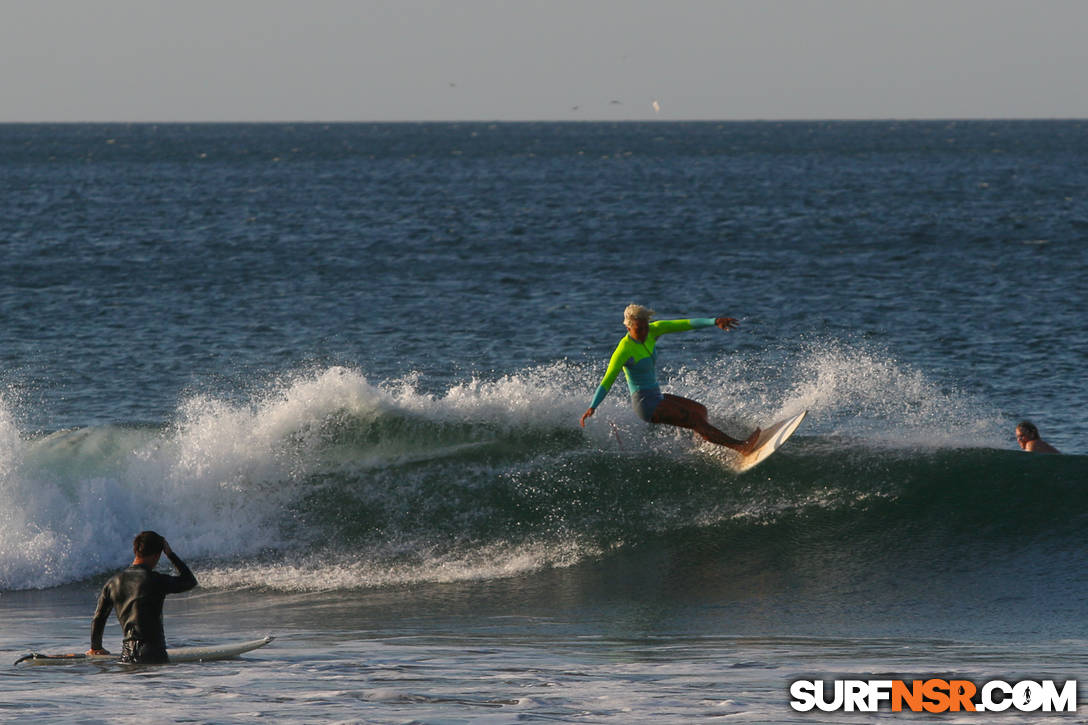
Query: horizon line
{"type": "Point", "coordinates": [313, 122]}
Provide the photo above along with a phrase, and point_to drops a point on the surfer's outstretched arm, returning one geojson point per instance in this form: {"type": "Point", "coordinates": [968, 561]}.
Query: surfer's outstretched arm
{"type": "Point", "coordinates": [615, 365]}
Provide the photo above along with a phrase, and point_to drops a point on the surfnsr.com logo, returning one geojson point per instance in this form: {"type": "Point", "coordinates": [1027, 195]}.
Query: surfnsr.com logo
{"type": "Point", "coordinates": [933, 695]}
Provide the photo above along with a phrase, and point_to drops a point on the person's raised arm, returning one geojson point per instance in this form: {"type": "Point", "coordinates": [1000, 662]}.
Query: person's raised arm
{"type": "Point", "coordinates": [185, 579]}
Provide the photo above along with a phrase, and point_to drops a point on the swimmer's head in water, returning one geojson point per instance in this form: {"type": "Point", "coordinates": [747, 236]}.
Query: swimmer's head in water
{"type": "Point", "coordinates": [1027, 431]}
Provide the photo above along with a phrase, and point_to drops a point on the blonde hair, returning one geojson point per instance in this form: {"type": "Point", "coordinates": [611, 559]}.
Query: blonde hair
{"type": "Point", "coordinates": [636, 313]}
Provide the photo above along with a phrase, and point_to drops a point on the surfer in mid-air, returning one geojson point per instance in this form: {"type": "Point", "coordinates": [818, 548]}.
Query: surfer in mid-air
{"type": "Point", "coordinates": [636, 355]}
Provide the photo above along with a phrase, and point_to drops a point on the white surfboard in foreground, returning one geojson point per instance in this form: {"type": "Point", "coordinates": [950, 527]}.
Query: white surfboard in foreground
{"type": "Point", "coordinates": [176, 654]}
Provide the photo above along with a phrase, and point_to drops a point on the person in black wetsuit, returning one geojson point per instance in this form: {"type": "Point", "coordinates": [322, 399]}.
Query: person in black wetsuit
{"type": "Point", "coordinates": [137, 593]}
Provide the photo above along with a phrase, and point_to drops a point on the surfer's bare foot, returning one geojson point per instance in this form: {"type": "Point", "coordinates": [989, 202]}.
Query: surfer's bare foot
{"type": "Point", "coordinates": [749, 444]}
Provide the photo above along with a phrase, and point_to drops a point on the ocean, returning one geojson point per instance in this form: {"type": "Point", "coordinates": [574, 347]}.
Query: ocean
{"type": "Point", "coordinates": [341, 368]}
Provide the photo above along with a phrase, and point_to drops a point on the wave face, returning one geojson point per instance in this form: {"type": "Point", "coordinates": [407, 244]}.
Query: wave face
{"type": "Point", "coordinates": [328, 481]}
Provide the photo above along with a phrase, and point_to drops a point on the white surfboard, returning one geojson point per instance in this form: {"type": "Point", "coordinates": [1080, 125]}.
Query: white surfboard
{"type": "Point", "coordinates": [176, 654]}
{"type": "Point", "coordinates": [769, 441]}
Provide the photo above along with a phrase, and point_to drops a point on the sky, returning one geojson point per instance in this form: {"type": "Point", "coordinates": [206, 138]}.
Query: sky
{"type": "Point", "coordinates": [450, 60]}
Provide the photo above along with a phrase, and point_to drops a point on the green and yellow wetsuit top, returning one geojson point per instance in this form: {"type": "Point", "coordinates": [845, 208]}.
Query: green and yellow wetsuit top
{"type": "Point", "coordinates": [638, 359]}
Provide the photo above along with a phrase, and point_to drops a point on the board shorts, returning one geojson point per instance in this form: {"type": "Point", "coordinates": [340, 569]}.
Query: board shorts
{"type": "Point", "coordinates": [646, 401]}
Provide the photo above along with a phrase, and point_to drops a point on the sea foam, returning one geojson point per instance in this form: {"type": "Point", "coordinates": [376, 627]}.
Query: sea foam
{"type": "Point", "coordinates": [489, 477]}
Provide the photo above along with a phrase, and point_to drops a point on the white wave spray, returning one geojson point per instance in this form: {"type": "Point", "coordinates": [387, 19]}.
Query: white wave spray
{"type": "Point", "coordinates": [228, 482]}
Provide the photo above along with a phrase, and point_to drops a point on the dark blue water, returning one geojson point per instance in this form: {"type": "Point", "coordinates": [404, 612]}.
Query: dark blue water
{"type": "Point", "coordinates": [141, 260]}
{"type": "Point", "coordinates": [342, 366]}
